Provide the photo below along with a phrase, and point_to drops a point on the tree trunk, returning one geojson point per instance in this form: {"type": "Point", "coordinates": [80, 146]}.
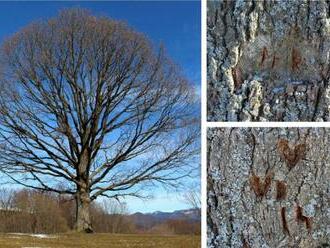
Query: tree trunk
{"type": "Point", "coordinates": [268, 187]}
{"type": "Point", "coordinates": [268, 60]}
{"type": "Point", "coordinates": [83, 219]}
{"type": "Point", "coordinates": [83, 200]}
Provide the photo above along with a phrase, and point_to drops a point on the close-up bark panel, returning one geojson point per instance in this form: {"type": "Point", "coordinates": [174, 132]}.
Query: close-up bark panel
{"type": "Point", "coordinates": [268, 187]}
{"type": "Point", "coordinates": [268, 60]}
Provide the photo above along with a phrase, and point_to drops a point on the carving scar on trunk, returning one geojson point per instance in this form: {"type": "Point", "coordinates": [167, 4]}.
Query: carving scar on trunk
{"type": "Point", "coordinates": [291, 155]}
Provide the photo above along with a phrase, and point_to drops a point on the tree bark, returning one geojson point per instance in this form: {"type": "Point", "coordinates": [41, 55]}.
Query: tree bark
{"type": "Point", "coordinates": [83, 198]}
{"type": "Point", "coordinates": [83, 219]}
{"type": "Point", "coordinates": [268, 187]}
{"type": "Point", "coordinates": [268, 60]}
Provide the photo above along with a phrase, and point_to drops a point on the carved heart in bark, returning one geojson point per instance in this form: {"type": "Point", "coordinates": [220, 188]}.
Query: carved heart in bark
{"type": "Point", "coordinates": [291, 155]}
{"type": "Point", "coordinates": [261, 188]}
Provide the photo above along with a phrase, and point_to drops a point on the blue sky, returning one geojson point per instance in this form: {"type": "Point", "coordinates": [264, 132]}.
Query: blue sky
{"type": "Point", "coordinates": [175, 24]}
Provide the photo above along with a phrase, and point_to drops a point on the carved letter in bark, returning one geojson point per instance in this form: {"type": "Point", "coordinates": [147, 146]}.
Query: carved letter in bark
{"type": "Point", "coordinates": [280, 190]}
{"type": "Point", "coordinates": [261, 188]}
{"type": "Point", "coordinates": [295, 59]}
{"type": "Point", "coordinates": [264, 55]}
{"type": "Point", "coordinates": [301, 218]}
{"type": "Point", "coordinates": [237, 77]}
{"type": "Point", "coordinates": [284, 222]}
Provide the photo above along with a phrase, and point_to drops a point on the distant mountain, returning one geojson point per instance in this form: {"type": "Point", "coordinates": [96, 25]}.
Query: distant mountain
{"type": "Point", "coordinates": [148, 220]}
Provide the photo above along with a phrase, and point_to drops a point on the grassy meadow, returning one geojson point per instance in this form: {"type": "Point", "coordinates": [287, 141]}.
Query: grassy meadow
{"type": "Point", "coordinates": [97, 240]}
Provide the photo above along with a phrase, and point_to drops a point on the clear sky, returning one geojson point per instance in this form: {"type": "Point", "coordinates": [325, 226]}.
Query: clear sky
{"type": "Point", "coordinates": [175, 24]}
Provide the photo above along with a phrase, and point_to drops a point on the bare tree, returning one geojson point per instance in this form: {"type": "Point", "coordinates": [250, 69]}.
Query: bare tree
{"type": "Point", "coordinates": [88, 108]}
{"type": "Point", "coordinates": [111, 206]}
{"type": "Point", "coordinates": [193, 199]}
{"type": "Point", "coordinates": [6, 199]}
{"type": "Point", "coordinates": [112, 216]}
{"type": "Point", "coordinates": [36, 212]}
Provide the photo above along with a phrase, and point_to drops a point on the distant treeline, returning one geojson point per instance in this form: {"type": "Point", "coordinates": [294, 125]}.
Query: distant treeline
{"type": "Point", "coordinates": [31, 211]}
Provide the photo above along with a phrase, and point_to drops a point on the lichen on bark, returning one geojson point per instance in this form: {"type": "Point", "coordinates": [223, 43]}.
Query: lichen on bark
{"type": "Point", "coordinates": [268, 187]}
{"type": "Point", "coordinates": [280, 49]}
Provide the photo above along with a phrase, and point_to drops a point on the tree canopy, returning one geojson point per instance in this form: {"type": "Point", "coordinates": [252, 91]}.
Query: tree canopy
{"type": "Point", "coordinates": [89, 107]}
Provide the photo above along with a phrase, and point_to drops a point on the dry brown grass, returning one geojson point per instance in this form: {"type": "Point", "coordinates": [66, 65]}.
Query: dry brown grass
{"type": "Point", "coordinates": [99, 240]}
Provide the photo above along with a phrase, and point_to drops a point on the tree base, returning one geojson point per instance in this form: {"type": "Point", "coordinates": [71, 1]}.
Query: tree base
{"type": "Point", "coordinates": [87, 230]}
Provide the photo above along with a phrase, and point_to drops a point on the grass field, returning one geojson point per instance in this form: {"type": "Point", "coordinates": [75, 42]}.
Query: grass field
{"type": "Point", "coordinates": [97, 240]}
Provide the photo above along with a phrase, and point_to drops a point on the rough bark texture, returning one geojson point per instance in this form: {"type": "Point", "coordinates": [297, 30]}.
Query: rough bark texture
{"type": "Point", "coordinates": [83, 223]}
{"type": "Point", "coordinates": [268, 60]}
{"type": "Point", "coordinates": [268, 187]}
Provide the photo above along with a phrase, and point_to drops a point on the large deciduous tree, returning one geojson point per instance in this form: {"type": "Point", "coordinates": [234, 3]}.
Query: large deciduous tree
{"type": "Point", "coordinates": [89, 108]}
